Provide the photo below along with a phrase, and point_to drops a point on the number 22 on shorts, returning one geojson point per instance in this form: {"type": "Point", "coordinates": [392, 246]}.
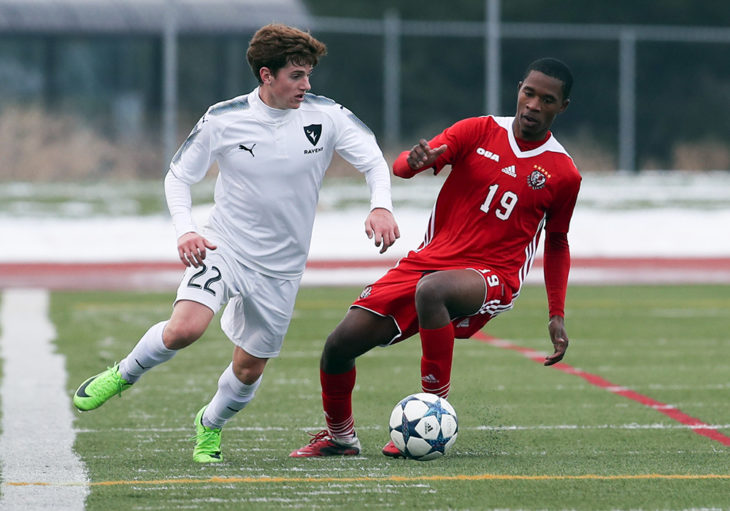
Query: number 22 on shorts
{"type": "Point", "coordinates": [202, 279]}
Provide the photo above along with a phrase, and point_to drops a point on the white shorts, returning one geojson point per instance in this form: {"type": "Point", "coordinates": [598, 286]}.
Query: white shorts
{"type": "Point", "coordinates": [259, 308]}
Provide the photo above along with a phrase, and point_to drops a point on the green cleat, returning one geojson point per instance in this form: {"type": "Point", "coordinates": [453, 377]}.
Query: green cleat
{"type": "Point", "coordinates": [207, 441]}
{"type": "Point", "coordinates": [98, 389]}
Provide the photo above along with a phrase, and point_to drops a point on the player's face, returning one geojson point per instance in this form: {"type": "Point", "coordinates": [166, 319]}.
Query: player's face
{"type": "Point", "coordinates": [287, 87]}
{"type": "Point", "coordinates": [539, 100]}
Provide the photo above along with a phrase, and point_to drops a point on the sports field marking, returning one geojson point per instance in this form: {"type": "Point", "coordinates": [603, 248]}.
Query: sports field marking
{"type": "Point", "coordinates": [514, 427]}
{"type": "Point", "coordinates": [392, 479]}
{"type": "Point", "coordinates": [696, 425]}
{"type": "Point", "coordinates": [36, 442]}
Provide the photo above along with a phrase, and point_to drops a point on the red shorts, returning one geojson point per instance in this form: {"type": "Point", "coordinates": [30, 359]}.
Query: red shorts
{"type": "Point", "coordinates": [394, 293]}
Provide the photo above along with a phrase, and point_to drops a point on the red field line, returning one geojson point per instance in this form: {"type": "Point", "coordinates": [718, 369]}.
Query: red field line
{"type": "Point", "coordinates": [679, 263]}
{"type": "Point", "coordinates": [166, 275]}
{"type": "Point", "coordinates": [696, 425]}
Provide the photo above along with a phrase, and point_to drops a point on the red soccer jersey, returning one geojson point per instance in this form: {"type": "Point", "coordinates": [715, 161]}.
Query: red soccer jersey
{"type": "Point", "coordinates": [496, 200]}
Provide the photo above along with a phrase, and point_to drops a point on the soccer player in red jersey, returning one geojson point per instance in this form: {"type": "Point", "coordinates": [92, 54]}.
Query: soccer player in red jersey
{"type": "Point", "coordinates": [509, 180]}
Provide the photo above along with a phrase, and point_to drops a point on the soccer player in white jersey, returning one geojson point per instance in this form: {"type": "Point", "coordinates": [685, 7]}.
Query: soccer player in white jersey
{"type": "Point", "coordinates": [272, 147]}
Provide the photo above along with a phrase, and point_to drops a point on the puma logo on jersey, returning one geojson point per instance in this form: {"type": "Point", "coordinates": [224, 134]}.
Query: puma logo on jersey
{"type": "Point", "coordinates": [487, 154]}
{"type": "Point", "coordinates": [249, 149]}
{"type": "Point", "coordinates": [510, 171]}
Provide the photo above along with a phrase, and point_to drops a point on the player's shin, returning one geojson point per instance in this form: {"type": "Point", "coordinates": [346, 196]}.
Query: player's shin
{"type": "Point", "coordinates": [337, 403]}
{"type": "Point", "coordinates": [231, 397]}
{"type": "Point", "coordinates": [149, 352]}
{"type": "Point", "coordinates": [437, 347]}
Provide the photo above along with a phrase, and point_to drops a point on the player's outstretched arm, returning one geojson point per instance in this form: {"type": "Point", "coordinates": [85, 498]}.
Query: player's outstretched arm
{"type": "Point", "coordinates": [381, 225]}
{"type": "Point", "coordinates": [559, 338]}
{"type": "Point", "coordinates": [422, 155]}
{"type": "Point", "coordinates": [418, 159]}
{"type": "Point", "coordinates": [191, 248]}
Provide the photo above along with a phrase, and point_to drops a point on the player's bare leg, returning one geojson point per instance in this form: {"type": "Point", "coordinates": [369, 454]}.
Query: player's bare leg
{"type": "Point", "coordinates": [440, 297]}
{"type": "Point", "coordinates": [158, 345]}
{"type": "Point", "coordinates": [236, 388]}
{"type": "Point", "coordinates": [357, 333]}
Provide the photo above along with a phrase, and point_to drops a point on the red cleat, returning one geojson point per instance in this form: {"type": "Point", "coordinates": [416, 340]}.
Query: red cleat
{"type": "Point", "coordinates": [322, 444]}
{"type": "Point", "coordinates": [391, 451]}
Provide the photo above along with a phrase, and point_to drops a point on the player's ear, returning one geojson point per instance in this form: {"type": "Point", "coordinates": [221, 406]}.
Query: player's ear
{"type": "Point", "coordinates": [265, 75]}
{"type": "Point", "coordinates": [564, 106]}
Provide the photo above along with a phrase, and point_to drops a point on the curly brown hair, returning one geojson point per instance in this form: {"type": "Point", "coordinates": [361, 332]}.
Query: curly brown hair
{"type": "Point", "coordinates": [276, 45]}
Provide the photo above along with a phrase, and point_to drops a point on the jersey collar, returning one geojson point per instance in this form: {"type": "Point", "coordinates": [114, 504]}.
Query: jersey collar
{"type": "Point", "coordinates": [550, 144]}
{"type": "Point", "coordinates": [268, 114]}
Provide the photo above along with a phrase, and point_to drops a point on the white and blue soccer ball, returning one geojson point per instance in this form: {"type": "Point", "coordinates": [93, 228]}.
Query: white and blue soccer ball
{"type": "Point", "coordinates": [423, 426]}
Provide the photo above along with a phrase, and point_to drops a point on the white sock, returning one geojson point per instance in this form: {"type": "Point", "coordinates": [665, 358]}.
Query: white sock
{"type": "Point", "coordinates": [232, 396]}
{"type": "Point", "coordinates": [149, 352]}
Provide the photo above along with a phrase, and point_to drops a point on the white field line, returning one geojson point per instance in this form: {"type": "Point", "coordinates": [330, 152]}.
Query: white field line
{"type": "Point", "coordinates": [531, 427]}
{"type": "Point", "coordinates": [37, 437]}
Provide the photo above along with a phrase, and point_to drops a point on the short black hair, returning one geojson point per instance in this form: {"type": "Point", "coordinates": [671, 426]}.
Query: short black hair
{"type": "Point", "coordinates": [554, 68]}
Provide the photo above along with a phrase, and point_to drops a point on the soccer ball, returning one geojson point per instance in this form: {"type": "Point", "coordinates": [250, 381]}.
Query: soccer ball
{"type": "Point", "coordinates": [423, 426]}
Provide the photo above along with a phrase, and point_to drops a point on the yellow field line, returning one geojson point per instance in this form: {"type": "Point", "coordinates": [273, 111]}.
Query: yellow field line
{"type": "Point", "coordinates": [397, 479]}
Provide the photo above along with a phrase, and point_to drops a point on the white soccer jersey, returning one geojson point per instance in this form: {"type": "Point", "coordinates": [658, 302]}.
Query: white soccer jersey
{"type": "Point", "coordinates": [271, 164]}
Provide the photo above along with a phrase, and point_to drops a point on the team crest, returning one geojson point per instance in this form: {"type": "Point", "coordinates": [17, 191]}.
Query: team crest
{"type": "Point", "coordinates": [538, 178]}
{"type": "Point", "coordinates": [313, 132]}
{"type": "Point", "coordinates": [366, 292]}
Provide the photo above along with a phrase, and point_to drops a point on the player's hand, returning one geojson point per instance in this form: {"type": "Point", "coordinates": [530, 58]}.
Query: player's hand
{"type": "Point", "coordinates": [422, 155]}
{"type": "Point", "coordinates": [559, 337]}
{"type": "Point", "coordinates": [381, 225]}
{"type": "Point", "coordinates": [191, 248]}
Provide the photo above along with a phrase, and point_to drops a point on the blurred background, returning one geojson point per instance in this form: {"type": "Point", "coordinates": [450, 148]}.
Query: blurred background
{"type": "Point", "coordinates": [97, 95]}
{"type": "Point", "coordinates": [95, 89]}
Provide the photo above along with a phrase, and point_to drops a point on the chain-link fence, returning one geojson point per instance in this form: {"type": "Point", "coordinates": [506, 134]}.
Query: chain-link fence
{"type": "Point", "coordinates": [115, 98]}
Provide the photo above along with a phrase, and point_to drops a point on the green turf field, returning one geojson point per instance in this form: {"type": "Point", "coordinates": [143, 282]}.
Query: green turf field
{"type": "Point", "coordinates": [530, 437]}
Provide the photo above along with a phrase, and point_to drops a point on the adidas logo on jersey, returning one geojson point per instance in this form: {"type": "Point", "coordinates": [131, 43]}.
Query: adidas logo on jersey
{"type": "Point", "coordinates": [510, 171]}
{"type": "Point", "coordinates": [366, 292]}
{"type": "Point", "coordinates": [487, 154]}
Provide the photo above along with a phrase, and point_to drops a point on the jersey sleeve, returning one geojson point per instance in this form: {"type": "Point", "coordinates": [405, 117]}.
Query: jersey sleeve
{"type": "Point", "coordinates": [358, 146]}
{"type": "Point", "coordinates": [195, 156]}
{"type": "Point", "coordinates": [563, 204]}
{"type": "Point", "coordinates": [454, 137]}
{"type": "Point", "coordinates": [556, 267]}
{"type": "Point", "coordinates": [189, 166]}
{"type": "Point", "coordinates": [179, 203]}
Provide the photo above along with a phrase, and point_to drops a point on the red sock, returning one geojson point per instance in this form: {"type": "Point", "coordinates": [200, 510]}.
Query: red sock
{"type": "Point", "coordinates": [337, 402]}
{"type": "Point", "coordinates": [437, 346]}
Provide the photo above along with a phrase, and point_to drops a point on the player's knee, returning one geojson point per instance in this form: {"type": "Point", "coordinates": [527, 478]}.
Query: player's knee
{"type": "Point", "coordinates": [336, 357]}
{"type": "Point", "coordinates": [179, 334]}
{"type": "Point", "coordinates": [249, 374]}
{"type": "Point", "coordinates": [429, 293]}
{"type": "Point", "coordinates": [333, 347]}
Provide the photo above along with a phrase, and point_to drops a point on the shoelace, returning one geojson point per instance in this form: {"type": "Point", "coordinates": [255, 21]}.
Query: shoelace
{"type": "Point", "coordinates": [208, 440]}
{"type": "Point", "coordinates": [321, 435]}
{"type": "Point", "coordinates": [116, 382]}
